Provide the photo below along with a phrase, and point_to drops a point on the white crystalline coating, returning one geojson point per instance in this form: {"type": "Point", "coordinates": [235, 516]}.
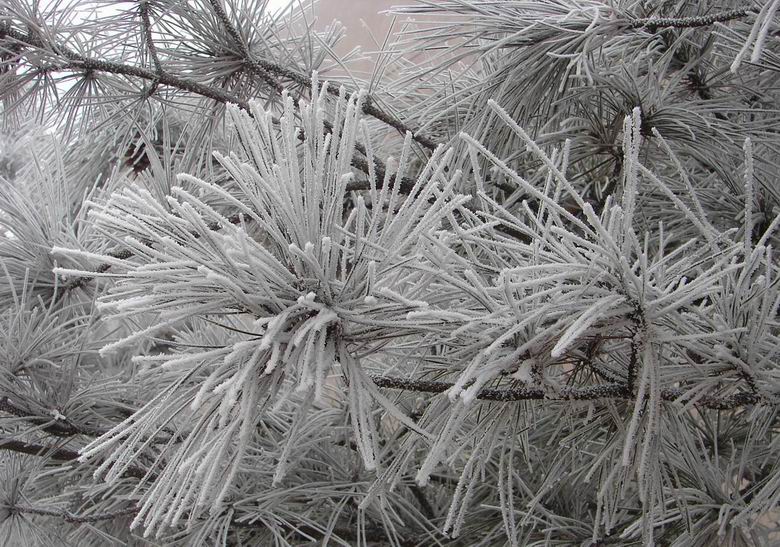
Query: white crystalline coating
{"type": "Point", "coordinates": [552, 319]}
{"type": "Point", "coordinates": [592, 314]}
{"type": "Point", "coordinates": [289, 186]}
{"type": "Point", "coordinates": [524, 371]}
{"type": "Point", "coordinates": [392, 295]}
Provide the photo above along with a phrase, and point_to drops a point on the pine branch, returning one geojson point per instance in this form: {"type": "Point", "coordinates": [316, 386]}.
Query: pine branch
{"type": "Point", "coordinates": [69, 517]}
{"type": "Point", "coordinates": [78, 62]}
{"type": "Point", "coordinates": [617, 391]}
{"type": "Point", "coordinates": [65, 455]}
{"type": "Point", "coordinates": [63, 428]}
{"type": "Point", "coordinates": [58, 428]}
{"type": "Point", "coordinates": [143, 10]}
{"type": "Point", "coordinates": [58, 454]}
{"type": "Point", "coordinates": [263, 67]}
{"type": "Point", "coordinates": [696, 374]}
{"type": "Point", "coordinates": [79, 282]}
{"type": "Point", "coordinates": [250, 63]}
{"type": "Point", "coordinates": [653, 24]}
{"type": "Point", "coordinates": [32, 449]}
{"type": "Point", "coordinates": [124, 254]}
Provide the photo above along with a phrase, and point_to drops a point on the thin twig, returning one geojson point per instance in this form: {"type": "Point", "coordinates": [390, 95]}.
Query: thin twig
{"type": "Point", "coordinates": [69, 517]}
{"type": "Point", "coordinates": [58, 454]}
{"type": "Point", "coordinates": [33, 449]}
{"type": "Point", "coordinates": [82, 62]}
{"type": "Point", "coordinates": [617, 391]}
{"type": "Point", "coordinates": [65, 428]}
{"type": "Point", "coordinates": [143, 10]}
{"type": "Point", "coordinates": [60, 428]}
{"type": "Point", "coordinates": [239, 43]}
{"type": "Point", "coordinates": [654, 23]}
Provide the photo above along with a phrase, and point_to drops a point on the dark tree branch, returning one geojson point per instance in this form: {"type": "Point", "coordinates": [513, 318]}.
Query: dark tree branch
{"type": "Point", "coordinates": [263, 67]}
{"type": "Point", "coordinates": [618, 391]}
{"type": "Point", "coordinates": [143, 10]}
{"type": "Point", "coordinates": [32, 449]}
{"type": "Point", "coordinates": [238, 42]}
{"type": "Point", "coordinates": [77, 61]}
{"type": "Point", "coordinates": [69, 517]}
{"type": "Point", "coordinates": [59, 428]}
{"type": "Point", "coordinates": [58, 454]}
{"type": "Point", "coordinates": [82, 63]}
{"type": "Point", "coordinates": [654, 23]}
{"type": "Point", "coordinates": [64, 428]}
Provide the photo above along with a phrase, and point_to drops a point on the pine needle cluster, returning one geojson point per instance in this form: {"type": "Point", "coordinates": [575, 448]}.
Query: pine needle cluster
{"type": "Point", "coordinates": [517, 287]}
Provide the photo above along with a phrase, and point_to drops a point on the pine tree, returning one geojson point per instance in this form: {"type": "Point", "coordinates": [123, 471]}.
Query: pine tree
{"type": "Point", "coordinates": [517, 287]}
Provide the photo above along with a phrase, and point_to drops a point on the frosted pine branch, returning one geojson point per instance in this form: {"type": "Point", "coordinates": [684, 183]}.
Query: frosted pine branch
{"type": "Point", "coordinates": [315, 324]}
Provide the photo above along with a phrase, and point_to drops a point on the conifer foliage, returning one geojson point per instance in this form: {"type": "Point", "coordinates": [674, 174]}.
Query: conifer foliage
{"type": "Point", "coordinates": [517, 287]}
